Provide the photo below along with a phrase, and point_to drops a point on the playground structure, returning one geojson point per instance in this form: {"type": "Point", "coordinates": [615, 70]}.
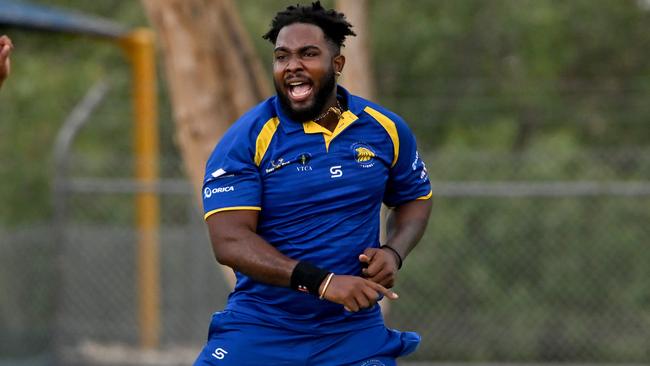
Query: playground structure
{"type": "Point", "coordinates": [138, 46]}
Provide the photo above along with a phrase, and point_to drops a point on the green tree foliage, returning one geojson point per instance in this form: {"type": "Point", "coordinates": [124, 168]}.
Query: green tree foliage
{"type": "Point", "coordinates": [538, 66]}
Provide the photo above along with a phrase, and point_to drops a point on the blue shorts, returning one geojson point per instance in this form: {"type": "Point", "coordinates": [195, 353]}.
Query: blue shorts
{"type": "Point", "coordinates": [238, 339]}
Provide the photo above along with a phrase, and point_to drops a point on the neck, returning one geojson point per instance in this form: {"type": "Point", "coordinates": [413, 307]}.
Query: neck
{"type": "Point", "coordinates": [330, 114]}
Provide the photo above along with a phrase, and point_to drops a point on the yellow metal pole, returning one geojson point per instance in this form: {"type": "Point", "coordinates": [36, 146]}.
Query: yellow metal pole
{"type": "Point", "coordinates": [139, 46]}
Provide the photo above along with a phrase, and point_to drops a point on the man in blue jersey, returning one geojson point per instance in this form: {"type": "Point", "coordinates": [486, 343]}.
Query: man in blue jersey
{"type": "Point", "coordinates": [292, 196]}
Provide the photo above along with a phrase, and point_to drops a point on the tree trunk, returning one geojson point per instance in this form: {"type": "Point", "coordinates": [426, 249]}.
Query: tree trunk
{"type": "Point", "coordinates": [357, 73]}
{"type": "Point", "coordinates": [212, 72]}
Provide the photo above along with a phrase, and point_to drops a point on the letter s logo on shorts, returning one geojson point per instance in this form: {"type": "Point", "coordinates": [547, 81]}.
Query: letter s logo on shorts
{"type": "Point", "coordinates": [219, 353]}
{"type": "Point", "coordinates": [373, 363]}
{"type": "Point", "coordinates": [207, 192]}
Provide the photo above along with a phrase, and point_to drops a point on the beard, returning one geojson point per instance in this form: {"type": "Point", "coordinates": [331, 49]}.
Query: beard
{"type": "Point", "coordinates": [328, 83]}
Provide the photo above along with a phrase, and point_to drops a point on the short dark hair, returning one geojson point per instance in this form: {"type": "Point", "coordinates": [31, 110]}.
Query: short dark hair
{"type": "Point", "coordinates": [334, 25]}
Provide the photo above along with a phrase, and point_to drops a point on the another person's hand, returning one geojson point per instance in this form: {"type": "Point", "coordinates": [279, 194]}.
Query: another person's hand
{"type": "Point", "coordinates": [380, 266]}
{"type": "Point", "coordinates": [354, 293]}
{"type": "Point", "coordinates": [5, 63]}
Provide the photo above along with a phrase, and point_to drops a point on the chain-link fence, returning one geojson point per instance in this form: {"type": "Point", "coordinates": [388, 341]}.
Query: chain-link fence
{"type": "Point", "coordinates": [99, 302]}
{"type": "Point", "coordinates": [518, 272]}
{"type": "Point", "coordinates": [560, 278]}
{"type": "Point", "coordinates": [533, 269]}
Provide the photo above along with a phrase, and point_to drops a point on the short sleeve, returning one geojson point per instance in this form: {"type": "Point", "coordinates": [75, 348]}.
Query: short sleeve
{"type": "Point", "coordinates": [408, 178]}
{"type": "Point", "coordinates": [232, 180]}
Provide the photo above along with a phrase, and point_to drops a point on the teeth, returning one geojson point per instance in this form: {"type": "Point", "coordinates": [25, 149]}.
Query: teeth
{"type": "Point", "coordinates": [296, 83]}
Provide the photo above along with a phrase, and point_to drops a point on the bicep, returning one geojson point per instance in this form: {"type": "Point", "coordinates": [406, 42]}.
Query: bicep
{"type": "Point", "coordinates": [236, 244]}
{"type": "Point", "coordinates": [229, 225]}
{"type": "Point", "coordinates": [416, 211]}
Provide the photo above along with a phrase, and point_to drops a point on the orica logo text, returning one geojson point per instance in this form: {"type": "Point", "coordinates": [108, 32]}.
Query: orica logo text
{"type": "Point", "coordinates": [208, 192]}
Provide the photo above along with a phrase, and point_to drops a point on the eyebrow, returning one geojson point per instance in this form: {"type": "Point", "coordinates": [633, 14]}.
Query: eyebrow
{"type": "Point", "coordinates": [301, 49]}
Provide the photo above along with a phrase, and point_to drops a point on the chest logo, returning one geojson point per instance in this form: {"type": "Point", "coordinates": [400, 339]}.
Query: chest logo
{"type": "Point", "coordinates": [302, 162]}
{"type": "Point", "coordinates": [336, 171]}
{"type": "Point", "coordinates": [304, 158]}
{"type": "Point", "coordinates": [364, 154]}
{"type": "Point", "coordinates": [277, 164]}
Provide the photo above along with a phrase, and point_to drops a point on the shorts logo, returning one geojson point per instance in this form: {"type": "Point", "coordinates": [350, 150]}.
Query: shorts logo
{"type": "Point", "coordinates": [373, 363]}
{"type": "Point", "coordinates": [207, 192]}
{"type": "Point", "coordinates": [219, 353]}
{"type": "Point", "coordinates": [364, 155]}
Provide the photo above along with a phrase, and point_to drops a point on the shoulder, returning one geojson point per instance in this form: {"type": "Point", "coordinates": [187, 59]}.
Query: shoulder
{"type": "Point", "coordinates": [377, 113]}
{"type": "Point", "coordinates": [390, 122]}
{"type": "Point", "coordinates": [240, 140]}
{"type": "Point", "coordinates": [251, 123]}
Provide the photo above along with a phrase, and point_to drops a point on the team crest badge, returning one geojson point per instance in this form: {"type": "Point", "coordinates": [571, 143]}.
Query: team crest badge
{"type": "Point", "coordinates": [364, 155]}
{"type": "Point", "coordinates": [304, 158]}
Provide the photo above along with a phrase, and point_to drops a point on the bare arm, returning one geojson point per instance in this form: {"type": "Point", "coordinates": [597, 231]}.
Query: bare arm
{"type": "Point", "coordinates": [406, 224]}
{"type": "Point", "coordinates": [236, 244]}
{"type": "Point", "coordinates": [5, 63]}
{"type": "Point", "coordinates": [405, 227]}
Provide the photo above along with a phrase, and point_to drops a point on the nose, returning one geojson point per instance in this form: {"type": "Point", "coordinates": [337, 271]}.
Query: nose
{"type": "Point", "coordinates": [293, 64]}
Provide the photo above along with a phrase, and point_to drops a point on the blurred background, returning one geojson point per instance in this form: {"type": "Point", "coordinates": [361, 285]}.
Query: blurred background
{"type": "Point", "coordinates": [532, 116]}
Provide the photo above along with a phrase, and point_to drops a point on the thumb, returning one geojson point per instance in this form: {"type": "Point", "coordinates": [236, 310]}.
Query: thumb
{"type": "Point", "coordinates": [367, 255]}
{"type": "Point", "coordinates": [364, 258]}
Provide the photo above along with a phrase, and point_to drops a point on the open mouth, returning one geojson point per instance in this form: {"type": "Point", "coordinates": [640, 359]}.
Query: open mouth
{"type": "Point", "coordinates": [299, 91]}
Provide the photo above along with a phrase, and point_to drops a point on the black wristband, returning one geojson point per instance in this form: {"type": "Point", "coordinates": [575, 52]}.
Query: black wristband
{"type": "Point", "coordinates": [306, 277]}
{"type": "Point", "coordinates": [399, 257]}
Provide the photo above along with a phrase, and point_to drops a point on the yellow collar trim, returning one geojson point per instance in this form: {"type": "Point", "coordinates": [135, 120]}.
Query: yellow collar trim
{"type": "Point", "coordinates": [347, 118]}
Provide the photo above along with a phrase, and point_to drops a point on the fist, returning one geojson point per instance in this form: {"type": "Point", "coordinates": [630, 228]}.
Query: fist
{"type": "Point", "coordinates": [381, 266]}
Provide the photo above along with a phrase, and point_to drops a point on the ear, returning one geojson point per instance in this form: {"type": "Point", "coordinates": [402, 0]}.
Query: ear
{"type": "Point", "coordinates": [339, 62]}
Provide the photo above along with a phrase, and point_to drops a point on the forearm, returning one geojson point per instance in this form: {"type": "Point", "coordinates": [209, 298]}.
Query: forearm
{"type": "Point", "coordinates": [406, 225]}
{"type": "Point", "coordinates": [248, 253]}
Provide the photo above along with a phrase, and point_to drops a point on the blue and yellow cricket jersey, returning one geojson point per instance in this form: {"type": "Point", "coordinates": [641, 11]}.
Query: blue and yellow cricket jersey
{"type": "Point", "coordinates": [319, 195]}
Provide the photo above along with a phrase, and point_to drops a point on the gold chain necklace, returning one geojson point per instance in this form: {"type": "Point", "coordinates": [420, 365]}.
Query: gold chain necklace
{"type": "Point", "coordinates": [337, 110]}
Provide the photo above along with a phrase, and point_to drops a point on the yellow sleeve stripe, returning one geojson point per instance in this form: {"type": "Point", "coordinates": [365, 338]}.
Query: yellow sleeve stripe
{"type": "Point", "coordinates": [390, 128]}
{"type": "Point", "coordinates": [426, 197]}
{"type": "Point", "coordinates": [234, 208]}
{"type": "Point", "coordinates": [264, 139]}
